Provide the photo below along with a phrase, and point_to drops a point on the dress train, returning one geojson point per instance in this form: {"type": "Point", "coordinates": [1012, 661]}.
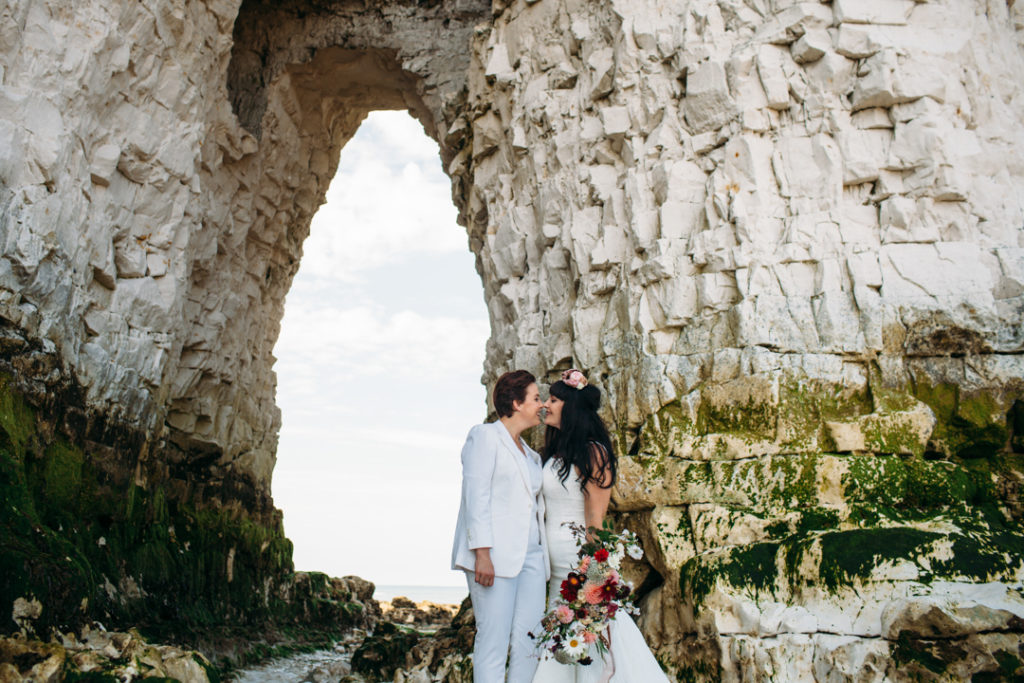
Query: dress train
{"type": "Point", "coordinates": [628, 660]}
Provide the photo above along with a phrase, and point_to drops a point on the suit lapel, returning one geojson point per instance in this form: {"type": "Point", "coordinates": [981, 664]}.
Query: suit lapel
{"type": "Point", "coordinates": [515, 453]}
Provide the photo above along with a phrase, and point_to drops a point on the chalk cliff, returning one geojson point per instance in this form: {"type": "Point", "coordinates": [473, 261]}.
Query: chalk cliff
{"type": "Point", "coordinates": [785, 238]}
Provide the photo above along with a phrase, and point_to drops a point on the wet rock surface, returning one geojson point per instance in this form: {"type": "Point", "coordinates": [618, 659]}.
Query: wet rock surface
{"type": "Point", "coordinates": [444, 655]}
{"type": "Point", "coordinates": [96, 654]}
{"type": "Point", "coordinates": [327, 665]}
{"type": "Point", "coordinates": [414, 641]}
{"type": "Point", "coordinates": [424, 615]}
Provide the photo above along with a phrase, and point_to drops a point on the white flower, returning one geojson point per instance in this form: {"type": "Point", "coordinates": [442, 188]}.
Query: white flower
{"type": "Point", "coordinates": [615, 560]}
{"type": "Point", "coordinates": [635, 551]}
{"type": "Point", "coordinates": [574, 646]}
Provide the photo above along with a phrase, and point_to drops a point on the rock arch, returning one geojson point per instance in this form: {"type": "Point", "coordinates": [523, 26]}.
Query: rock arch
{"type": "Point", "coordinates": [301, 78]}
{"type": "Point", "coordinates": [784, 238]}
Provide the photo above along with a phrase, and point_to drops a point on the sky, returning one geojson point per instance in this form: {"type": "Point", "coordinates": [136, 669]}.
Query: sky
{"type": "Point", "coordinates": [378, 366]}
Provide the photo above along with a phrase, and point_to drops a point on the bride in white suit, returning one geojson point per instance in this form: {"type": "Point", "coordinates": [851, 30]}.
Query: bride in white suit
{"type": "Point", "coordinates": [579, 472]}
{"type": "Point", "coordinates": [500, 538]}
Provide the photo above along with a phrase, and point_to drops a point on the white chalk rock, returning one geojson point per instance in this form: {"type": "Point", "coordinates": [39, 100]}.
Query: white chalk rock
{"type": "Point", "coordinates": [872, 11]}
{"type": "Point", "coordinates": [708, 104]}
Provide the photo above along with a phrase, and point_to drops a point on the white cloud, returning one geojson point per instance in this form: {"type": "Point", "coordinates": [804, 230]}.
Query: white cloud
{"type": "Point", "coordinates": [372, 527]}
{"type": "Point", "coordinates": [389, 198]}
{"type": "Point", "coordinates": [380, 355]}
{"type": "Point", "coordinates": [366, 342]}
{"type": "Point", "coordinates": [398, 135]}
{"type": "Point", "coordinates": [367, 436]}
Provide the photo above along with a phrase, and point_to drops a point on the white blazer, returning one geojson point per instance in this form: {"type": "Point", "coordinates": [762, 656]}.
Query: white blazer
{"type": "Point", "coordinates": [496, 502]}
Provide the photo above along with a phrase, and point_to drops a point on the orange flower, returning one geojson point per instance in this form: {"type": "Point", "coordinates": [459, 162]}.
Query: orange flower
{"type": "Point", "coordinates": [594, 594]}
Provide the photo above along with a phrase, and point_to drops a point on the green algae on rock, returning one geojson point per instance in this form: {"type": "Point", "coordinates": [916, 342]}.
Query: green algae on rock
{"type": "Point", "coordinates": [858, 499]}
{"type": "Point", "coordinates": [85, 540]}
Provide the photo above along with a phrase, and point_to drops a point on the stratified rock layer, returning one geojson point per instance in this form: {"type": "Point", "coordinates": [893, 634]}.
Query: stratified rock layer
{"type": "Point", "coordinates": [785, 238]}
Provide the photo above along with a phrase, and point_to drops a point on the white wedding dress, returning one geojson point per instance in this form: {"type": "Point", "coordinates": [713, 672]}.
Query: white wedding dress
{"type": "Point", "coordinates": [629, 660]}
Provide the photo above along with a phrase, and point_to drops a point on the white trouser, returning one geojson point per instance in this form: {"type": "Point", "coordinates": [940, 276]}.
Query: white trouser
{"type": "Point", "coordinates": [505, 613]}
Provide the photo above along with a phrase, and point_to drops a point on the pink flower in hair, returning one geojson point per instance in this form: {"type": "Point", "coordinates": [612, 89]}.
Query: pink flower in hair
{"type": "Point", "coordinates": [574, 378]}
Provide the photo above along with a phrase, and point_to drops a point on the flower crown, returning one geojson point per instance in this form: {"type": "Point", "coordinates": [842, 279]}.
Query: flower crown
{"type": "Point", "coordinates": [574, 378]}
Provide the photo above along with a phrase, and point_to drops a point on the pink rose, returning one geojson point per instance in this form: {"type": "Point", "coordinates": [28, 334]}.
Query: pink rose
{"type": "Point", "coordinates": [564, 614]}
{"type": "Point", "coordinates": [574, 378]}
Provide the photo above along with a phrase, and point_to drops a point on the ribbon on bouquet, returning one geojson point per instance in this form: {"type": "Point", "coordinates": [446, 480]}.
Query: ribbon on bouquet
{"type": "Point", "coordinates": [609, 661]}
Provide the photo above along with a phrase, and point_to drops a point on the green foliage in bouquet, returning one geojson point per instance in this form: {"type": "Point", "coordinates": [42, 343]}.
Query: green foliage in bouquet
{"type": "Point", "coordinates": [577, 626]}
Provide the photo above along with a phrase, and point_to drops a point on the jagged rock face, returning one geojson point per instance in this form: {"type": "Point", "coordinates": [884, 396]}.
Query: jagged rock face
{"type": "Point", "coordinates": [769, 230]}
{"type": "Point", "coordinates": [151, 233]}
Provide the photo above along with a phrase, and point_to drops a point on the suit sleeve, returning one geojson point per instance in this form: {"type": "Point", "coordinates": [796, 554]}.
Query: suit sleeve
{"type": "Point", "coordinates": [478, 456]}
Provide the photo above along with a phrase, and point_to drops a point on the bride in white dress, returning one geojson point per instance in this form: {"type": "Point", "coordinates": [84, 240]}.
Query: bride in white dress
{"type": "Point", "coordinates": [579, 472]}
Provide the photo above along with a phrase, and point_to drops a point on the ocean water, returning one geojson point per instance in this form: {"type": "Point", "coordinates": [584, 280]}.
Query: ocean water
{"type": "Point", "coordinates": [444, 595]}
{"type": "Point", "coordinates": [296, 668]}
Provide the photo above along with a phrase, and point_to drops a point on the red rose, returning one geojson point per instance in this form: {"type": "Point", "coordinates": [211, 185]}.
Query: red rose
{"type": "Point", "coordinates": [601, 555]}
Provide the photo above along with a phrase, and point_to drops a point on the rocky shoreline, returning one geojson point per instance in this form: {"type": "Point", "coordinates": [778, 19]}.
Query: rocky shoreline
{"type": "Point", "coordinates": [100, 655]}
{"type": "Point", "coordinates": [400, 640]}
{"type": "Point", "coordinates": [418, 655]}
{"type": "Point", "coordinates": [423, 616]}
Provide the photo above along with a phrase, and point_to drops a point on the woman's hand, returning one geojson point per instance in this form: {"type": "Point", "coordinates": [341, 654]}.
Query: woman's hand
{"type": "Point", "coordinates": [484, 573]}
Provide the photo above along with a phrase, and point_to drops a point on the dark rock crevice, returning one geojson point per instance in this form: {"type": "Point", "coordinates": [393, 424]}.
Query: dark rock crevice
{"type": "Point", "coordinates": [268, 36]}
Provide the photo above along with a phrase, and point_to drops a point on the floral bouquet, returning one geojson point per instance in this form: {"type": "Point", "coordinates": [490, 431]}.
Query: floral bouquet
{"type": "Point", "coordinates": [590, 596]}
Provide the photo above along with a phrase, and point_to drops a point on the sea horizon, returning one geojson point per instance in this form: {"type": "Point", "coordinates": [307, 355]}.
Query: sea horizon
{"type": "Point", "coordinates": [444, 595]}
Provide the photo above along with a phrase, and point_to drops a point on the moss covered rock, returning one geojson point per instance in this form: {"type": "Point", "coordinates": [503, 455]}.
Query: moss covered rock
{"type": "Point", "coordinates": [384, 652]}
{"type": "Point", "coordinates": [87, 535]}
{"type": "Point", "coordinates": [788, 507]}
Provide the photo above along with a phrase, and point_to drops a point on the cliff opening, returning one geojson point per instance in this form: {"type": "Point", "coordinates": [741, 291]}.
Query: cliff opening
{"type": "Point", "coordinates": [378, 368]}
{"type": "Point", "coordinates": [302, 78]}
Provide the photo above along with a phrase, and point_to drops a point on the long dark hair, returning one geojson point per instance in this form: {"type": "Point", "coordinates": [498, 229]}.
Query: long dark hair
{"type": "Point", "coordinates": [581, 430]}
